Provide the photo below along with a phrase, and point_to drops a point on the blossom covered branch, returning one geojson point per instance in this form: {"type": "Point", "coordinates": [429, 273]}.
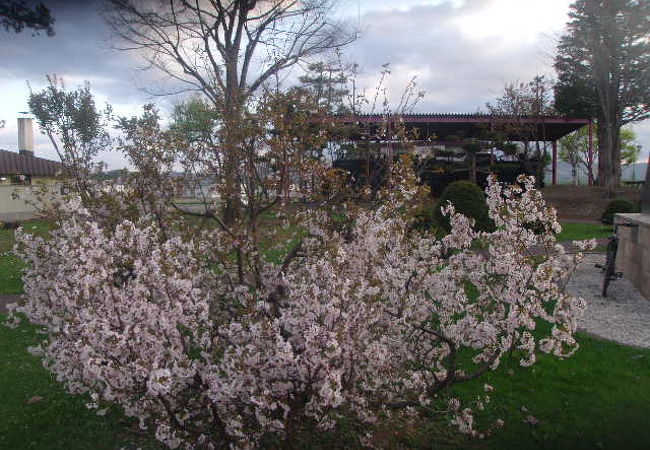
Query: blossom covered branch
{"type": "Point", "coordinates": [375, 319]}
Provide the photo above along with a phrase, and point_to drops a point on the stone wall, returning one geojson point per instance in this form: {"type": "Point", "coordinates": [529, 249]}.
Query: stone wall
{"type": "Point", "coordinates": [633, 257]}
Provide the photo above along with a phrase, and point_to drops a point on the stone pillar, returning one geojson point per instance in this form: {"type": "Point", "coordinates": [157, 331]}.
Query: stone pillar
{"type": "Point", "coordinates": [633, 257]}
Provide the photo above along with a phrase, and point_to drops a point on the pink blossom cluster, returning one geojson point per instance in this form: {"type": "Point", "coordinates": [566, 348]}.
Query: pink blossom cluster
{"type": "Point", "coordinates": [372, 322]}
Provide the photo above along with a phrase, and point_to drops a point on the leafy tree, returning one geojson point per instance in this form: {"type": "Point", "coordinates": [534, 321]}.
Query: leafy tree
{"type": "Point", "coordinates": [196, 120]}
{"type": "Point", "coordinates": [603, 66]}
{"type": "Point", "coordinates": [195, 117]}
{"type": "Point", "coordinates": [574, 149]}
{"type": "Point", "coordinates": [75, 127]}
{"type": "Point", "coordinates": [16, 15]}
{"type": "Point", "coordinates": [630, 148]}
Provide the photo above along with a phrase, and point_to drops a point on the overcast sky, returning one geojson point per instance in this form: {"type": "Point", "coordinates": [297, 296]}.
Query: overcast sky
{"type": "Point", "coordinates": [463, 52]}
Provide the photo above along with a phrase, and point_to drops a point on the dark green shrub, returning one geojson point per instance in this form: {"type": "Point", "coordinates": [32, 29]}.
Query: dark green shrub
{"type": "Point", "coordinates": [423, 217]}
{"type": "Point", "coordinates": [469, 200]}
{"type": "Point", "coordinates": [619, 205]}
{"type": "Point", "coordinates": [10, 225]}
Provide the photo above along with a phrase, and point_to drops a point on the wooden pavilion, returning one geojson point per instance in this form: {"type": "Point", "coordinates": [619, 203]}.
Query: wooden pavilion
{"type": "Point", "coordinates": [446, 128]}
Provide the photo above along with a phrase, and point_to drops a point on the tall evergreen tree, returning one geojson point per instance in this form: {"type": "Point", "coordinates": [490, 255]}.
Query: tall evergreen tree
{"type": "Point", "coordinates": [327, 83]}
{"type": "Point", "coordinates": [16, 15]}
{"type": "Point", "coordinates": [603, 66]}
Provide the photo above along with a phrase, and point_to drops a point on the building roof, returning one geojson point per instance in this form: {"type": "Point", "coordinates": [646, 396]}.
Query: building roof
{"type": "Point", "coordinates": [12, 163]}
{"type": "Point", "coordinates": [437, 127]}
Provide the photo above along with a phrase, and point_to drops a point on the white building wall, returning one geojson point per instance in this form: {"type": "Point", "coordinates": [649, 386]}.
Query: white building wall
{"type": "Point", "coordinates": [18, 203]}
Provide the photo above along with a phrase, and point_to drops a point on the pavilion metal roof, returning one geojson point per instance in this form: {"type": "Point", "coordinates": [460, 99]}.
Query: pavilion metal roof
{"type": "Point", "coordinates": [438, 126]}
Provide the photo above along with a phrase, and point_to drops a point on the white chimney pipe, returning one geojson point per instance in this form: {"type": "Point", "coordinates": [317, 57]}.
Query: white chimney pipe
{"type": "Point", "coordinates": [26, 136]}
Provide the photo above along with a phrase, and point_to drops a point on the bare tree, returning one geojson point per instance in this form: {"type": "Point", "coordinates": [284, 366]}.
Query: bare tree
{"type": "Point", "coordinates": [520, 111]}
{"type": "Point", "coordinates": [227, 50]}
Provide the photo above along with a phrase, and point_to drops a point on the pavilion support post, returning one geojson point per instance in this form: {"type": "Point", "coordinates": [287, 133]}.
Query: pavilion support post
{"type": "Point", "coordinates": [554, 162]}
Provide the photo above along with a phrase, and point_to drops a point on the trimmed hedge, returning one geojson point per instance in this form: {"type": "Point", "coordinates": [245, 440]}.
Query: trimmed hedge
{"type": "Point", "coordinates": [469, 200]}
{"type": "Point", "coordinates": [619, 205]}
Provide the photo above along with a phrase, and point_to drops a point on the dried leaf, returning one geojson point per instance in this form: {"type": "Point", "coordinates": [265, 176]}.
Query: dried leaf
{"type": "Point", "coordinates": [532, 421]}
{"type": "Point", "coordinates": [35, 399]}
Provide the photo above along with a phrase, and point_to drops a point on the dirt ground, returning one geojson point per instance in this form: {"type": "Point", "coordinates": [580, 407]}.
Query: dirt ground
{"type": "Point", "coordinates": [583, 203]}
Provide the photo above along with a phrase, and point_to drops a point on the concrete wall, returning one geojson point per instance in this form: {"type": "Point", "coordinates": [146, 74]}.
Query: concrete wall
{"type": "Point", "coordinates": [633, 257]}
{"type": "Point", "coordinates": [16, 202]}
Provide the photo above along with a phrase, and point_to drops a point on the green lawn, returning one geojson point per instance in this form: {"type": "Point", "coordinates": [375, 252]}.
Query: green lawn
{"type": "Point", "coordinates": [59, 420]}
{"type": "Point", "coordinates": [10, 266]}
{"type": "Point", "coordinates": [573, 231]}
{"type": "Point", "coordinates": [598, 399]}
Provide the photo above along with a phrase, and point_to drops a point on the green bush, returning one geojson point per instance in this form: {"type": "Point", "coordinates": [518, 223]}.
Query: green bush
{"type": "Point", "coordinates": [423, 217]}
{"type": "Point", "coordinates": [619, 205]}
{"type": "Point", "coordinates": [469, 200]}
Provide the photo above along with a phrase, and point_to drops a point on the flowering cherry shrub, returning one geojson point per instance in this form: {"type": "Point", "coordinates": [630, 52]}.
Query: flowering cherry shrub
{"type": "Point", "coordinates": [368, 322]}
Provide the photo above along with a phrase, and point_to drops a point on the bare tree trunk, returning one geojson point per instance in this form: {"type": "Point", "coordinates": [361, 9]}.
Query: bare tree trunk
{"type": "Point", "coordinates": [609, 157]}
{"type": "Point", "coordinates": [231, 191]}
{"type": "Point", "coordinates": [574, 174]}
{"type": "Point", "coordinates": [590, 157]}
{"type": "Point", "coordinates": [539, 172]}
{"type": "Point", "coordinates": [603, 154]}
{"type": "Point", "coordinates": [233, 107]}
{"type": "Point", "coordinates": [616, 155]}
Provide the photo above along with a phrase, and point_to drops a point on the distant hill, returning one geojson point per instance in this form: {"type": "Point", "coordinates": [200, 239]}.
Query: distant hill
{"type": "Point", "coordinates": [113, 174]}
{"type": "Point", "coordinates": [634, 172]}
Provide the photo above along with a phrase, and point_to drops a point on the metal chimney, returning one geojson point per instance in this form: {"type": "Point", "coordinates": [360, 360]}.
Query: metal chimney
{"type": "Point", "coordinates": [26, 136]}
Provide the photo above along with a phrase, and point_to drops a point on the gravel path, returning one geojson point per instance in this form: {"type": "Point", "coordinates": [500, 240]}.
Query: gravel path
{"type": "Point", "coordinates": [624, 316]}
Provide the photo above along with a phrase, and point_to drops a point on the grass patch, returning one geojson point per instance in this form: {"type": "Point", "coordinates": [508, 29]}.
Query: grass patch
{"type": "Point", "coordinates": [11, 266]}
{"type": "Point", "coordinates": [11, 271]}
{"type": "Point", "coordinates": [573, 231]}
{"type": "Point", "coordinates": [59, 420]}
{"type": "Point", "coordinates": [597, 399]}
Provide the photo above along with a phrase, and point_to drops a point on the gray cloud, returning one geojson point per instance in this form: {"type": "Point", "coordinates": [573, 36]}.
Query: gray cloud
{"type": "Point", "coordinates": [462, 52]}
{"type": "Point", "coordinates": [458, 73]}
{"type": "Point", "coordinates": [79, 51]}
{"type": "Point", "coordinates": [461, 68]}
